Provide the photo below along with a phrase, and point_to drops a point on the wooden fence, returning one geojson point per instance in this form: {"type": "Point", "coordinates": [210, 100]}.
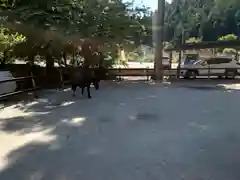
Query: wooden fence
{"type": "Point", "coordinates": [170, 72]}
{"type": "Point", "coordinates": [111, 74]}
{"type": "Point", "coordinates": [17, 92]}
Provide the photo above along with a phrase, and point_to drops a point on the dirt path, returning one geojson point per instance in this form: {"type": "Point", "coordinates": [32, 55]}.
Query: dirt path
{"type": "Point", "coordinates": [131, 131]}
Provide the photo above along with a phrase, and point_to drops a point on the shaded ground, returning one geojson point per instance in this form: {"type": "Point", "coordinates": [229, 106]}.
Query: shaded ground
{"type": "Point", "coordinates": [127, 131]}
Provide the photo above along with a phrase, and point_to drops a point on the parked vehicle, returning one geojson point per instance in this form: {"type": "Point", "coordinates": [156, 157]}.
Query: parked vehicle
{"type": "Point", "coordinates": [217, 66]}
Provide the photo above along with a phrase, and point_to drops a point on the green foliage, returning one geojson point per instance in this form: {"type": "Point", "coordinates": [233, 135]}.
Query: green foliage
{"type": "Point", "coordinates": [132, 56]}
{"type": "Point", "coordinates": [228, 37]}
{"type": "Point", "coordinates": [120, 23]}
{"type": "Point", "coordinates": [113, 23]}
{"type": "Point", "coordinates": [229, 51]}
{"type": "Point", "coordinates": [208, 19]}
{"type": "Point", "coordinates": [194, 40]}
{"type": "Point", "coordinates": [7, 41]}
{"type": "Point", "coordinates": [116, 20]}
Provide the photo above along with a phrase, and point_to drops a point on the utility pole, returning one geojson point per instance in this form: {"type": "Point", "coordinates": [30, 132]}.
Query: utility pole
{"type": "Point", "coordinates": [158, 65]}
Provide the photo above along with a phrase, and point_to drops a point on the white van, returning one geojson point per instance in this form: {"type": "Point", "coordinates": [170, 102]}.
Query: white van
{"type": "Point", "coordinates": [215, 66]}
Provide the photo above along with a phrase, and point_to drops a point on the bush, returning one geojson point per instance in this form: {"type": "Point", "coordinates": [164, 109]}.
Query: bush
{"type": "Point", "coordinates": [7, 41]}
{"type": "Point", "coordinates": [228, 37]}
{"type": "Point", "coordinates": [229, 51]}
{"type": "Point", "coordinates": [194, 40]}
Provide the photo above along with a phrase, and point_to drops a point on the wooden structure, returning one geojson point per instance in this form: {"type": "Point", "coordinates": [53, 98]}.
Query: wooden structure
{"type": "Point", "coordinates": [141, 72]}
{"type": "Point", "coordinates": [138, 72]}
{"type": "Point", "coordinates": [32, 89]}
{"type": "Point", "coordinates": [203, 45]}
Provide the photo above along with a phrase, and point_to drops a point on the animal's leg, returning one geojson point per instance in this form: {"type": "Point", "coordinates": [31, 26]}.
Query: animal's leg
{"type": "Point", "coordinates": [88, 91]}
{"type": "Point", "coordinates": [74, 88]}
{"type": "Point", "coordinates": [83, 90]}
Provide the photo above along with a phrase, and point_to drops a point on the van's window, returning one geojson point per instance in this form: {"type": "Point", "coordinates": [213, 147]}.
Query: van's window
{"type": "Point", "coordinates": [189, 62]}
{"type": "Point", "coordinates": [190, 58]}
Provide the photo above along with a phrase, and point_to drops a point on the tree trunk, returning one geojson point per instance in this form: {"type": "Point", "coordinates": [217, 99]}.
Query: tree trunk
{"type": "Point", "coordinates": [159, 46]}
{"type": "Point", "coordinates": [50, 71]}
{"type": "Point", "coordinates": [101, 60]}
{"type": "Point", "coordinates": [170, 59]}
{"type": "Point", "coordinates": [236, 54]}
{"type": "Point", "coordinates": [179, 64]}
{"type": "Point", "coordinates": [65, 59]}
{"type": "Point", "coordinates": [49, 64]}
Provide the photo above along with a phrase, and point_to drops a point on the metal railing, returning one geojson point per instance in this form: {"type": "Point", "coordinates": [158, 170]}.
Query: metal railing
{"type": "Point", "coordinates": [32, 89]}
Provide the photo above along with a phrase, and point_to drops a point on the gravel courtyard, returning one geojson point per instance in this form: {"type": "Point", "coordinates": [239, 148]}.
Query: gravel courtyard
{"type": "Point", "coordinates": [128, 131]}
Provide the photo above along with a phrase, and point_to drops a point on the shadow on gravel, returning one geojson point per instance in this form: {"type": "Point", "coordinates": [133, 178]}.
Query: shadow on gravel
{"type": "Point", "coordinates": [55, 159]}
{"type": "Point", "coordinates": [207, 88]}
{"type": "Point", "coordinates": [72, 155]}
{"type": "Point", "coordinates": [208, 84]}
{"type": "Point", "coordinates": [31, 113]}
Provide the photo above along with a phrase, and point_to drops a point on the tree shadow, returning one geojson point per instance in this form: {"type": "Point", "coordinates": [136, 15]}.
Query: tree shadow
{"type": "Point", "coordinates": [51, 159]}
{"type": "Point", "coordinates": [71, 122]}
{"type": "Point", "coordinates": [68, 128]}
{"type": "Point", "coordinates": [28, 115]}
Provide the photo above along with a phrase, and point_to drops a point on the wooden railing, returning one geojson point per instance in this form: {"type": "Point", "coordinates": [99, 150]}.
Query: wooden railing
{"type": "Point", "coordinates": [147, 72]}
{"type": "Point", "coordinates": [171, 72]}
{"type": "Point", "coordinates": [32, 89]}
{"type": "Point", "coordinates": [138, 72]}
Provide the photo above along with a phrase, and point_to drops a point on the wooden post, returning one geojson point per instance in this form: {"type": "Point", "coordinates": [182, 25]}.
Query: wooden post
{"type": "Point", "coordinates": [208, 71]}
{"type": "Point", "coordinates": [236, 55]}
{"type": "Point", "coordinates": [34, 86]}
{"type": "Point", "coordinates": [158, 66]}
{"type": "Point", "coordinates": [214, 52]}
{"type": "Point", "coordinates": [61, 77]}
{"type": "Point", "coordinates": [170, 60]}
{"type": "Point", "coordinates": [147, 72]}
{"type": "Point", "coordinates": [119, 76]}
{"type": "Point", "coordinates": [179, 64]}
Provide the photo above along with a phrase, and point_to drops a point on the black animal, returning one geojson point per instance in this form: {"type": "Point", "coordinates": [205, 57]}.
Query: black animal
{"type": "Point", "coordinates": [84, 77]}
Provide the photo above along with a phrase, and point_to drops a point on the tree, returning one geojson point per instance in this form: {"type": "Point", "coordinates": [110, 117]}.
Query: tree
{"type": "Point", "coordinates": [223, 4]}
{"type": "Point", "coordinates": [8, 40]}
{"type": "Point", "coordinates": [80, 32]}
{"type": "Point", "coordinates": [208, 19]}
{"type": "Point", "coordinates": [116, 21]}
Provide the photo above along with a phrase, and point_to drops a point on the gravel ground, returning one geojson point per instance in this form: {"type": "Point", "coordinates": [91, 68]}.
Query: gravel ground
{"type": "Point", "coordinates": [128, 131]}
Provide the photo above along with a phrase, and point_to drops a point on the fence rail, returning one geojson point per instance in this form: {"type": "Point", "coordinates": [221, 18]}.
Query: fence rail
{"type": "Point", "coordinates": [32, 89]}
{"type": "Point", "coordinates": [114, 72]}
{"type": "Point", "coordinates": [16, 79]}
{"type": "Point", "coordinates": [170, 72]}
